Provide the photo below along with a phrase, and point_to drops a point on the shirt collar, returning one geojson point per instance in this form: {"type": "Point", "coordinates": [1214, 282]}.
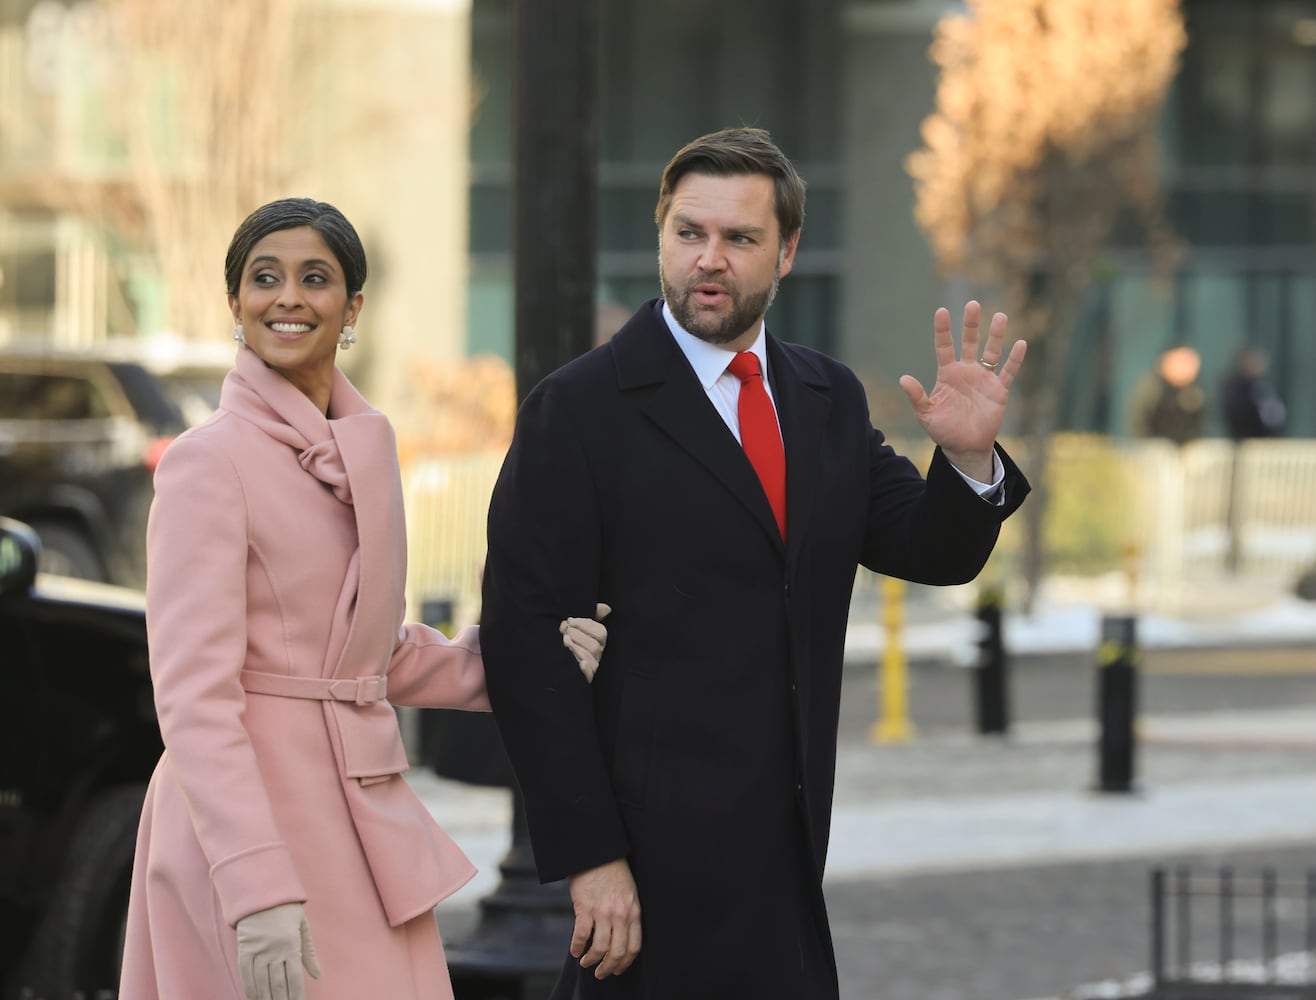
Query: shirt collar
{"type": "Point", "coordinates": [710, 360]}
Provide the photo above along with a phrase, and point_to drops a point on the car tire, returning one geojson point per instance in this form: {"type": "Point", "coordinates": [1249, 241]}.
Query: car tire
{"type": "Point", "coordinates": [77, 950]}
{"type": "Point", "coordinates": [67, 552]}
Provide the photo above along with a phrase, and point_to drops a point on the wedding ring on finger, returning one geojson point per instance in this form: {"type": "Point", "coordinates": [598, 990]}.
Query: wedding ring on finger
{"type": "Point", "coordinates": [988, 364]}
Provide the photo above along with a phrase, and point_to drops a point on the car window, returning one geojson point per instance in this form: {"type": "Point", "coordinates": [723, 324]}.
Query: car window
{"type": "Point", "coordinates": [41, 396]}
{"type": "Point", "coordinates": [195, 393]}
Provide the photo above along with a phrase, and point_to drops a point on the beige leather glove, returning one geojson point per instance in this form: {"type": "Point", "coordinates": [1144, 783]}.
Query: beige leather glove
{"type": "Point", "coordinates": [586, 638]}
{"type": "Point", "coordinates": [273, 945]}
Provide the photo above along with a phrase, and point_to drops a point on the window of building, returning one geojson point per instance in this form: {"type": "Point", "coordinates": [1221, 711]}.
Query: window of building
{"type": "Point", "coordinates": [669, 72]}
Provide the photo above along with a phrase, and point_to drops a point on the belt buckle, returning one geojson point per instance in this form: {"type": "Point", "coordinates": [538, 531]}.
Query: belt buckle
{"type": "Point", "coordinates": [370, 690]}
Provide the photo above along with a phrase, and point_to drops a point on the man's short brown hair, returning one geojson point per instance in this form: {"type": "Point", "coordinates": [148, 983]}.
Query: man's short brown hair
{"type": "Point", "coordinates": [735, 152]}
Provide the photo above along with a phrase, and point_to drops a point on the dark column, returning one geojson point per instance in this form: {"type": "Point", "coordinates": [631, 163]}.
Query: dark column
{"type": "Point", "coordinates": [555, 181]}
{"type": "Point", "coordinates": [520, 942]}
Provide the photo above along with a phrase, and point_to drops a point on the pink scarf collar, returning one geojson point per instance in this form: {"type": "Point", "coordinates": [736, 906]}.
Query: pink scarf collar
{"type": "Point", "coordinates": [263, 396]}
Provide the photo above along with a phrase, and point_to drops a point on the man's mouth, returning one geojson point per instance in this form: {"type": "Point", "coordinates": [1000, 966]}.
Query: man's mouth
{"type": "Point", "coordinates": [710, 294]}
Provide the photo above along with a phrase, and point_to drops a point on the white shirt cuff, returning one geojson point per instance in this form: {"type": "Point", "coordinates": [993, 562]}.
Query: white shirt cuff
{"type": "Point", "coordinates": [993, 491]}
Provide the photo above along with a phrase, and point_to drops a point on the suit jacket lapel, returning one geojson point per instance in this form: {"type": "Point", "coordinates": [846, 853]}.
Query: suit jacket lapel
{"type": "Point", "coordinates": [802, 408]}
{"type": "Point", "coordinates": [647, 356]}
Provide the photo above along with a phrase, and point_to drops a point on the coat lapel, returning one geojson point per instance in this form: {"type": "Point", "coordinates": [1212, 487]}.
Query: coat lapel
{"type": "Point", "coordinates": [803, 407]}
{"type": "Point", "coordinates": [648, 357]}
{"type": "Point", "coordinates": [365, 441]}
{"type": "Point", "coordinates": [368, 742]}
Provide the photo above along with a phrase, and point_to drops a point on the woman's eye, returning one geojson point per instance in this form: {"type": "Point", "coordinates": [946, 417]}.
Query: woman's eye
{"type": "Point", "coordinates": [314, 279]}
{"type": "Point", "coordinates": [265, 278]}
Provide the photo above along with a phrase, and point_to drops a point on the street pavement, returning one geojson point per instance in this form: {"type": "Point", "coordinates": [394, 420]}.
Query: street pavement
{"type": "Point", "coordinates": [972, 867]}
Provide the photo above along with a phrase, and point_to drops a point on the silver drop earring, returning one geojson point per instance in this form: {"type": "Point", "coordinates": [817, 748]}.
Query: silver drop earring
{"type": "Point", "coordinates": [237, 335]}
{"type": "Point", "coordinates": [347, 338]}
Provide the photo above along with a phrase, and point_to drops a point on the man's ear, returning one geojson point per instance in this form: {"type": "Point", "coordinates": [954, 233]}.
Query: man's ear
{"type": "Point", "coordinates": [786, 255]}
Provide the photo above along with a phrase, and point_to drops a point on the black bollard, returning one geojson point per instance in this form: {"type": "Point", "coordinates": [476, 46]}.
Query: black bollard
{"type": "Point", "coordinates": [1117, 702]}
{"type": "Point", "coordinates": [991, 674]}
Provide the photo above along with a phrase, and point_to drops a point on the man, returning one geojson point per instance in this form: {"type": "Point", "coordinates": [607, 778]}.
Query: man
{"type": "Point", "coordinates": [693, 783]}
{"type": "Point", "coordinates": [1168, 402]}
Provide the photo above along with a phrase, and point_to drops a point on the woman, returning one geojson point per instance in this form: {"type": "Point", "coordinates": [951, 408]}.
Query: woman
{"type": "Point", "coordinates": [277, 826]}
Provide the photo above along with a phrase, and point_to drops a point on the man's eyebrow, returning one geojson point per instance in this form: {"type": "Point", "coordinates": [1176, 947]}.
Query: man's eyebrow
{"type": "Point", "coordinates": [745, 230]}
{"type": "Point", "coordinates": [684, 220]}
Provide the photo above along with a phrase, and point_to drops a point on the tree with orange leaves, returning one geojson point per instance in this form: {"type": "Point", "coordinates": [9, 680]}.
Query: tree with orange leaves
{"type": "Point", "coordinates": [1044, 135]}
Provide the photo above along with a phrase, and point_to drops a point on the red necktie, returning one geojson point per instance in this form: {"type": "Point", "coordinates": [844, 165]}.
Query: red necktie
{"type": "Point", "coordinates": [759, 433]}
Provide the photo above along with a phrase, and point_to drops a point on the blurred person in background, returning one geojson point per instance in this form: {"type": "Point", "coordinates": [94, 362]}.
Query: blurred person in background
{"type": "Point", "coordinates": [1168, 402]}
{"type": "Point", "coordinates": [721, 487]}
{"type": "Point", "coordinates": [1251, 406]}
{"type": "Point", "coordinates": [278, 834]}
{"type": "Point", "coordinates": [1252, 409]}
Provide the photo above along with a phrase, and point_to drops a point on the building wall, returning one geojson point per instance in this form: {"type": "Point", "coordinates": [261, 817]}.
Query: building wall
{"type": "Point", "coordinates": [669, 72]}
{"type": "Point", "coordinates": [379, 126]}
{"type": "Point", "coordinates": [843, 85]}
{"type": "Point", "coordinates": [406, 190]}
{"type": "Point", "coordinates": [889, 286]}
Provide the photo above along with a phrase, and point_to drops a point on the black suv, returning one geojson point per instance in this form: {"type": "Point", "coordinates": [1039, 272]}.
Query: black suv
{"type": "Point", "coordinates": [79, 743]}
{"type": "Point", "coordinates": [80, 434]}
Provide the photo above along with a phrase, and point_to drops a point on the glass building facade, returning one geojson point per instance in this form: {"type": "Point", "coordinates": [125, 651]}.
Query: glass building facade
{"type": "Point", "coordinates": [842, 87]}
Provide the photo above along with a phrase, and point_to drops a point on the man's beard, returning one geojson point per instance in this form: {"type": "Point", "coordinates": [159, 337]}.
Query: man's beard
{"type": "Point", "coordinates": [745, 311]}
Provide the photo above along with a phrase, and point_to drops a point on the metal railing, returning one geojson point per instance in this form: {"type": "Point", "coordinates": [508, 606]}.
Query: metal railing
{"type": "Point", "coordinates": [447, 504]}
{"type": "Point", "coordinates": [1229, 933]}
{"type": "Point", "coordinates": [1180, 511]}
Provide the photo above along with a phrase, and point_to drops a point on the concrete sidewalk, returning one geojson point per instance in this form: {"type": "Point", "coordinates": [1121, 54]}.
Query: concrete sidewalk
{"type": "Point", "coordinates": [940, 626]}
{"type": "Point", "coordinates": [950, 801]}
{"type": "Point", "coordinates": [953, 801]}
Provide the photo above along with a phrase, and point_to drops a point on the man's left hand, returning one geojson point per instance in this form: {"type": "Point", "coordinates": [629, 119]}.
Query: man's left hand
{"type": "Point", "coordinates": [964, 412]}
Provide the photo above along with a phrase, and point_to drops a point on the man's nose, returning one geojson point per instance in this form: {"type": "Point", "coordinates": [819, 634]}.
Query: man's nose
{"type": "Point", "coordinates": [713, 258]}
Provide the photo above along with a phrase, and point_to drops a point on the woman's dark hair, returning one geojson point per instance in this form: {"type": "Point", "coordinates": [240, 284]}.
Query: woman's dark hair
{"type": "Point", "coordinates": [293, 213]}
{"type": "Point", "coordinates": [736, 152]}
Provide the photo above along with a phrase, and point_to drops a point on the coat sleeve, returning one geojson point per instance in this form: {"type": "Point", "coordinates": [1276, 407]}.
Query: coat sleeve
{"type": "Point", "coordinates": [429, 670]}
{"type": "Point", "coordinates": [196, 610]}
{"type": "Point", "coordinates": [545, 548]}
{"type": "Point", "coordinates": [935, 531]}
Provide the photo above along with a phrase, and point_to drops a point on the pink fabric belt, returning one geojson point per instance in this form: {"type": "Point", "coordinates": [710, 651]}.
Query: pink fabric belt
{"type": "Point", "coordinates": [358, 690]}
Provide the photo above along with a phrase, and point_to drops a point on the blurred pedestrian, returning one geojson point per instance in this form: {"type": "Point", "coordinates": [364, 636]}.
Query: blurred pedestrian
{"type": "Point", "coordinates": [1252, 409]}
{"type": "Point", "coordinates": [1168, 402]}
{"type": "Point", "coordinates": [1251, 406]}
{"type": "Point", "coordinates": [278, 833]}
{"type": "Point", "coordinates": [720, 487]}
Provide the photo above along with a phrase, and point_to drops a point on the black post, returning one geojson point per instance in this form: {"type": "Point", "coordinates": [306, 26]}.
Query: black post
{"type": "Point", "coordinates": [555, 184]}
{"type": "Point", "coordinates": [1117, 678]}
{"type": "Point", "coordinates": [991, 675]}
{"type": "Point", "coordinates": [520, 943]}
{"type": "Point", "coordinates": [517, 950]}
{"type": "Point", "coordinates": [1157, 925]}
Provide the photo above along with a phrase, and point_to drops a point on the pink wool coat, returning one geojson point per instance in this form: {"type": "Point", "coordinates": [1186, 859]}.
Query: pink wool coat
{"type": "Point", "coordinates": [277, 560]}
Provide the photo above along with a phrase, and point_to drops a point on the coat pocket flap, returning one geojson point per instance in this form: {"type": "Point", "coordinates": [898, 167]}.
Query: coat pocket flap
{"type": "Point", "coordinates": [370, 739]}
